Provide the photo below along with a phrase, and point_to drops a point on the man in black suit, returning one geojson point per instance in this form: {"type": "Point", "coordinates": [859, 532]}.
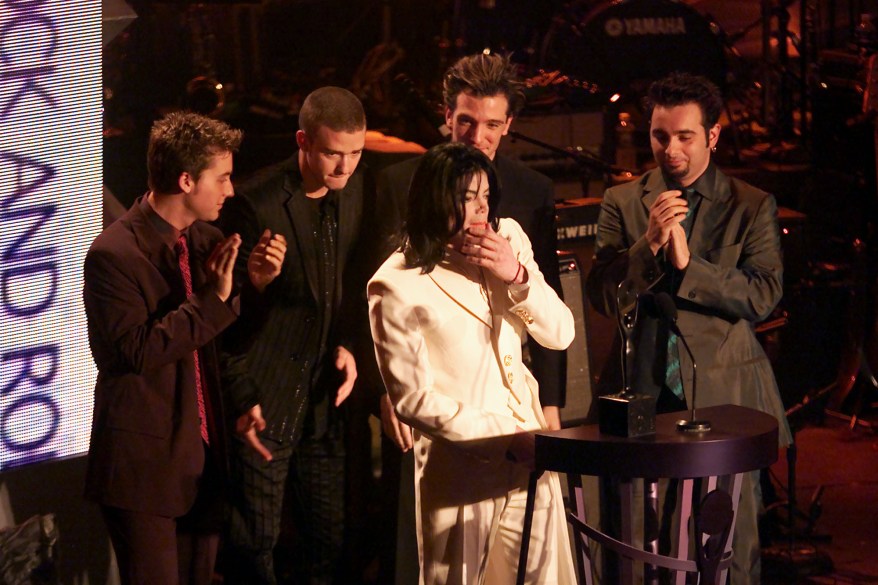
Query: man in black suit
{"type": "Point", "coordinates": [482, 95]}
{"type": "Point", "coordinates": [298, 368]}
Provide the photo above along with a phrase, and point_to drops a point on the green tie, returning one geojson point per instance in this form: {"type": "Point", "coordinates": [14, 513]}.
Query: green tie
{"type": "Point", "coordinates": [673, 379]}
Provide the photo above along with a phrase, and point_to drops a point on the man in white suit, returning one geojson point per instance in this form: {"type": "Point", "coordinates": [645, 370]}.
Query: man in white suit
{"type": "Point", "coordinates": [448, 312]}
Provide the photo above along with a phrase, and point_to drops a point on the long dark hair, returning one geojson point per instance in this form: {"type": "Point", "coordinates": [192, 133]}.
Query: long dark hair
{"type": "Point", "coordinates": [437, 199]}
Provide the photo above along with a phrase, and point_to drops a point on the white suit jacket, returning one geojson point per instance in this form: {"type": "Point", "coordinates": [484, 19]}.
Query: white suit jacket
{"type": "Point", "coordinates": [452, 365]}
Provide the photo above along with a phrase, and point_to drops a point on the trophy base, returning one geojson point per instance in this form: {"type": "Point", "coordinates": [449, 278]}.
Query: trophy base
{"type": "Point", "coordinates": [627, 414]}
{"type": "Point", "coordinates": [693, 426]}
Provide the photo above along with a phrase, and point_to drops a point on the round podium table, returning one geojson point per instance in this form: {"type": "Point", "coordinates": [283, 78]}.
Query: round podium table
{"type": "Point", "coordinates": [741, 439]}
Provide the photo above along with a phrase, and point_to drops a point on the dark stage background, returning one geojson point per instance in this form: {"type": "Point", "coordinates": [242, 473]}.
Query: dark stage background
{"type": "Point", "coordinates": [794, 75]}
{"type": "Point", "coordinates": [796, 124]}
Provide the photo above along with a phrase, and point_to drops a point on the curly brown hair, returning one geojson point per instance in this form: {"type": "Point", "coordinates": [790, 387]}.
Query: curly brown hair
{"type": "Point", "coordinates": [185, 142]}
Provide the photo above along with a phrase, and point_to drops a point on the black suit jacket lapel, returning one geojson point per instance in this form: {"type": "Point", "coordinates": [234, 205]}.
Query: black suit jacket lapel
{"type": "Point", "coordinates": [350, 210]}
{"type": "Point", "coordinates": [298, 210]}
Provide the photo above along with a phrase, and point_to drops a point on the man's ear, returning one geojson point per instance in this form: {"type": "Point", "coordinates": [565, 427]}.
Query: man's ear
{"type": "Point", "coordinates": [186, 182]}
{"type": "Point", "coordinates": [302, 140]}
{"type": "Point", "coordinates": [713, 136]}
{"type": "Point", "coordinates": [508, 126]}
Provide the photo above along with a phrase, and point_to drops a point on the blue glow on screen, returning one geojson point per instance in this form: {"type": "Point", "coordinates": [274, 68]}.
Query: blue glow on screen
{"type": "Point", "coordinates": [50, 211]}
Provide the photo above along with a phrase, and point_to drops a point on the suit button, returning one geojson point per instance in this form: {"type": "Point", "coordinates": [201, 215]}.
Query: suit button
{"type": "Point", "coordinates": [650, 275]}
{"type": "Point", "coordinates": [510, 377]}
{"type": "Point", "coordinates": [691, 294]}
{"type": "Point", "coordinates": [507, 360]}
{"type": "Point", "coordinates": [524, 316]}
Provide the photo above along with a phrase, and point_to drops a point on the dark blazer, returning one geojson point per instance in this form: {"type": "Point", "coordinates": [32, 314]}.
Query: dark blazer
{"type": "Point", "coordinates": [734, 280]}
{"type": "Point", "coordinates": [146, 451]}
{"type": "Point", "coordinates": [286, 348]}
{"type": "Point", "coordinates": [528, 198]}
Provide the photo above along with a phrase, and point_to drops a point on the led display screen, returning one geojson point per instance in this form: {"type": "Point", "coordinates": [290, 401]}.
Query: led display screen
{"type": "Point", "coordinates": [50, 211]}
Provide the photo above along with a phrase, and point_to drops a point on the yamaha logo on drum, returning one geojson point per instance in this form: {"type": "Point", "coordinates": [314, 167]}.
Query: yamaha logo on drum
{"type": "Point", "coordinates": [622, 45]}
{"type": "Point", "coordinates": [616, 27]}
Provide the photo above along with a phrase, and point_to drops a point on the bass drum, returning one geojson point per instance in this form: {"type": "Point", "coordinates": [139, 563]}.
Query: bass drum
{"type": "Point", "coordinates": [627, 45]}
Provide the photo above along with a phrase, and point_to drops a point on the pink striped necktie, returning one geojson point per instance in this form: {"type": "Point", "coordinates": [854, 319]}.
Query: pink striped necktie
{"type": "Point", "coordinates": [183, 257]}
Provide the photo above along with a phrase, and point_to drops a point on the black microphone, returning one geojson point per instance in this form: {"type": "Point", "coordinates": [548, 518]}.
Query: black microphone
{"type": "Point", "coordinates": [668, 310]}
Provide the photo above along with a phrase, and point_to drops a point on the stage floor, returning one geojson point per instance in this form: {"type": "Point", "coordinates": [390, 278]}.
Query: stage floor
{"type": "Point", "coordinates": [842, 465]}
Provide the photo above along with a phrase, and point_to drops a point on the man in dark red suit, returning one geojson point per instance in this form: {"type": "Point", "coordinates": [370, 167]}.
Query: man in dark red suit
{"type": "Point", "coordinates": [158, 290]}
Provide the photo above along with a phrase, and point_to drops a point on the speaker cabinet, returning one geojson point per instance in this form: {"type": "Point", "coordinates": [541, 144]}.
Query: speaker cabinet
{"type": "Point", "coordinates": [579, 391]}
{"type": "Point", "coordinates": [577, 226]}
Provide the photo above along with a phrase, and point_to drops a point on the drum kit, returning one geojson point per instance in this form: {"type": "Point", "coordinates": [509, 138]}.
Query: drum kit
{"type": "Point", "coordinates": [623, 46]}
{"type": "Point", "coordinates": [614, 49]}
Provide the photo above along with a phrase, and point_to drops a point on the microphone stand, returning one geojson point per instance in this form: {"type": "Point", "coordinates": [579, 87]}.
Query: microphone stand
{"type": "Point", "coordinates": [583, 158]}
{"type": "Point", "coordinates": [668, 310]}
{"type": "Point", "coordinates": [692, 425]}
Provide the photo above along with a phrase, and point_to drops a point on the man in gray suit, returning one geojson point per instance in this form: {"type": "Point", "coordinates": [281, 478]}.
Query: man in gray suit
{"type": "Point", "coordinates": [711, 242]}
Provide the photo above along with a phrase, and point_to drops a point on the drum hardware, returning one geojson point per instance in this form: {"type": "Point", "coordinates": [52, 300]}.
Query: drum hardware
{"type": "Point", "coordinates": [548, 88]}
{"type": "Point", "coordinates": [786, 556]}
{"type": "Point", "coordinates": [785, 86]}
{"type": "Point", "coordinates": [861, 348]}
{"type": "Point", "coordinates": [589, 164]}
{"type": "Point", "coordinates": [845, 386]}
{"type": "Point", "coordinates": [789, 557]}
{"type": "Point", "coordinates": [426, 110]}
{"type": "Point", "coordinates": [204, 93]}
{"type": "Point", "coordinates": [373, 83]}
{"type": "Point", "coordinates": [783, 116]}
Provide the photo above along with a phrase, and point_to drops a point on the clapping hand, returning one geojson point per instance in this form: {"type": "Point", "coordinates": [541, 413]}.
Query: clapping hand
{"type": "Point", "coordinates": [266, 259]}
{"type": "Point", "coordinates": [666, 213]}
{"type": "Point", "coordinates": [220, 266]}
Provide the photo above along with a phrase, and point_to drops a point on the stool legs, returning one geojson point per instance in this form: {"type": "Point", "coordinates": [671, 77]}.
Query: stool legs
{"type": "Point", "coordinates": [584, 565]}
{"type": "Point", "coordinates": [650, 528]}
{"type": "Point", "coordinates": [528, 523]}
